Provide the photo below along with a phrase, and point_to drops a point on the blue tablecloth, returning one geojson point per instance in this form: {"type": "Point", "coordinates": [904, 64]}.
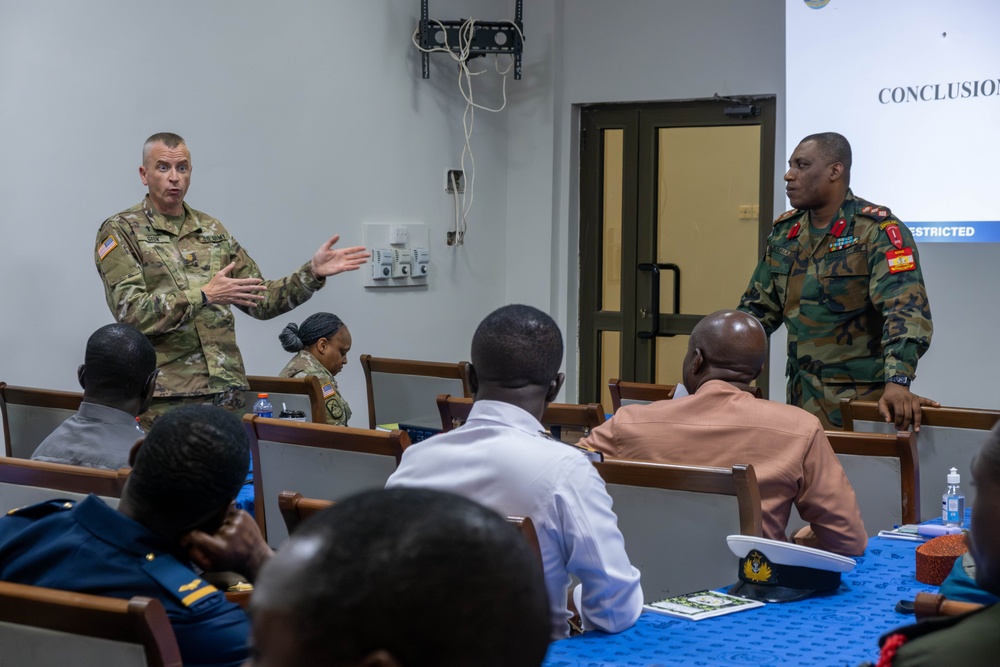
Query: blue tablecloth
{"type": "Point", "coordinates": [837, 630]}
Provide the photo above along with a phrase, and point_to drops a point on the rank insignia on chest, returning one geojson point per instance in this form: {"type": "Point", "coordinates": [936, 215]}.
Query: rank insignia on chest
{"type": "Point", "coordinates": [843, 242]}
{"type": "Point", "coordinates": [328, 390]}
{"type": "Point", "coordinates": [900, 260]}
{"type": "Point", "coordinates": [106, 247]}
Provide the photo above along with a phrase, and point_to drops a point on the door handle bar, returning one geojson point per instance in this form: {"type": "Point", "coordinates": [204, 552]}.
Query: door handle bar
{"type": "Point", "coordinates": [655, 310]}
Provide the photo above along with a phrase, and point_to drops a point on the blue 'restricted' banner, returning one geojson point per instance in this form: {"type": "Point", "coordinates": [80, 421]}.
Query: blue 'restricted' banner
{"type": "Point", "coordinates": [983, 231]}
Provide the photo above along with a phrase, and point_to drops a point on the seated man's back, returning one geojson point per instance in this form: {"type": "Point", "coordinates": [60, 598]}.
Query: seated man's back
{"type": "Point", "coordinates": [722, 424]}
{"type": "Point", "coordinates": [502, 458]}
{"type": "Point", "coordinates": [118, 377]}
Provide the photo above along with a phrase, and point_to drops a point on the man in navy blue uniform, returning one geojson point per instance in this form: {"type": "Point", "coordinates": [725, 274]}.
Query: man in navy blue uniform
{"type": "Point", "coordinates": [175, 516]}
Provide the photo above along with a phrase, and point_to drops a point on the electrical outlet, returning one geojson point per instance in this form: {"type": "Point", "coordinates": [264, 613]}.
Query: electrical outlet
{"type": "Point", "coordinates": [454, 181]}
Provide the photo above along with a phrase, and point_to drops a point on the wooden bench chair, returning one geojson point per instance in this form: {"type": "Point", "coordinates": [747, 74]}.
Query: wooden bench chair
{"type": "Point", "coordinates": [624, 392]}
{"type": "Point", "coordinates": [30, 415]}
{"type": "Point", "coordinates": [43, 627]}
{"type": "Point", "coordinates": [566, 421]}
{"type": "Point", "coordinates": [948, 438]}
{"type": "Point", "coordinates": [295, 509]}
{"type": "Point", "coordinates": [323, 461]}
{"type": "Point", "coordinates": [402, 391]}
{"type": "Point", "coordinates": [884, 471]}
{"type": "Point", "coordinates": [24, 482]}
{"type": "Point", "coordinates": [305, 394]}
{"type": "Point", "coordinates": [675, 520]}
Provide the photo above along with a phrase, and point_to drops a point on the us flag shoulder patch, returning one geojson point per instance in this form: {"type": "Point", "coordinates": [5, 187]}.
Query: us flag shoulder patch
{"type": "Point", "coordinates": [328, 390]}
{"type": "Point", "coordinates": [106, 247]}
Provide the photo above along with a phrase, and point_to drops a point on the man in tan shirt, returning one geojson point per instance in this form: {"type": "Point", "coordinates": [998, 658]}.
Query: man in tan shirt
{"type": "Point", "coordinates": [722, 424]}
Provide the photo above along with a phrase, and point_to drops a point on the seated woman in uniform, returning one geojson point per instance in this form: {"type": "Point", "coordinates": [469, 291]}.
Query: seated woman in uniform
{"type": "Point", "coordinates": [321, 342]}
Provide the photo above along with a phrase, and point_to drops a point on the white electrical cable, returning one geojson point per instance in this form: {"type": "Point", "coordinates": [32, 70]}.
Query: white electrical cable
{"type": "Point", "coordinates": [466, 33]}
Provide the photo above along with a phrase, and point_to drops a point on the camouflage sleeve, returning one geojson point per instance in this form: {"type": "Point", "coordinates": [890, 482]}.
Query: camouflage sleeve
{"type": "Point", "coordinates": [151, 308]}
{"type": "Point", "coordinates": [761, 298]}
{"type": "Point", "coordinates": [283, 294]}
{"type": "Point", "coordinates": [902, 300]}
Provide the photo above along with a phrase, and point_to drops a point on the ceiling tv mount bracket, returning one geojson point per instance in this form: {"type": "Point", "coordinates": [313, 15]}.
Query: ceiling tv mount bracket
{"type": "Point", "coordinates": [489, 37]}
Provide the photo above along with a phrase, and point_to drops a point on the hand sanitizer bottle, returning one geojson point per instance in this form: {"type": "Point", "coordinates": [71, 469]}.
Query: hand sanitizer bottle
{"type": "Point", "coordinates": [953, 501]}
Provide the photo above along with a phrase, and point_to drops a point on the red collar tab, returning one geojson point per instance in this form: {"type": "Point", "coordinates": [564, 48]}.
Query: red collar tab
{"type": "Point", "coordinates": [839, 227]}
{"type": "Point", "coordinates": [794, 231]}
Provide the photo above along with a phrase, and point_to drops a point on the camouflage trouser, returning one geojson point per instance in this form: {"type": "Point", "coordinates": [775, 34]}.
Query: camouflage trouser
{"type": "Point", "coordinates": [231, 400]}
{"type": "Point", "coordinates": [823, 400]}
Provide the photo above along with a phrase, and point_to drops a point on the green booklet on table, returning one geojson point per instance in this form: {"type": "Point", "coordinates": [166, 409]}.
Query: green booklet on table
{"type": "Point", "coordinates": [701, 604]}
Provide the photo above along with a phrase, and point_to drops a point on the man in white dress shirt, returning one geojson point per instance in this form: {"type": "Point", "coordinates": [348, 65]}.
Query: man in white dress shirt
{"type": "Point", "coordinates": [502, 458]}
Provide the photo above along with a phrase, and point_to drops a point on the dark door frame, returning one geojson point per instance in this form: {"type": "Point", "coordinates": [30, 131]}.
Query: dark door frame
{"type": "Point", "coordinates": [640, 122]}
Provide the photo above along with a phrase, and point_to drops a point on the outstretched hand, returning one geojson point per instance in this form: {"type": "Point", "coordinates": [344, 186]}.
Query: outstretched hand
{"type": "Point", "coordinates": [236, 546]}
{"type": "Point", "coordinates": [329, 262]}
{"type": "Point", "coordinates": [222, 289]}
{"type": "Point", "coordinates": [898, 404]}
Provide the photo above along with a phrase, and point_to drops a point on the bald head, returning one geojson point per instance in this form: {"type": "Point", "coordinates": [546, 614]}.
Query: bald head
{"type": "Point", "coordinates": [726, 345]}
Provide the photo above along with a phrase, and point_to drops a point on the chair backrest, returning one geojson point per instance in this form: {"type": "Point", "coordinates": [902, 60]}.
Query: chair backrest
{"type": "Point", "coordinates": [322, 461]}
{"type": "Point", "coordinates": [675, 520]}
{"type": "Point", "coordinates": [24, 482]}
{"type": "Point", "coordinates": [43, 627]}
{"type": "Point", "coordinates": [402, 391]}
{"type": "Point", "coordinates": [948, 438]}
{"type": "Point", "coordinates": [566, 421]}
{"type": "Point", "coordinates": [30, 415]}
{"type": "Point", "coordinates": [295, 509]}
{"type": "Point", "coordinates": [624, 392]}
{"type": "Point", "coordinates": [305, 394]}
{"type": "Point", "coordinates": [884, 471]}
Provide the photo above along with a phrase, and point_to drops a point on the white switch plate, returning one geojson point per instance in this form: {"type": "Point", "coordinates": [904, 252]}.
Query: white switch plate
{"type": "Point", "coordinates": [381, 235]}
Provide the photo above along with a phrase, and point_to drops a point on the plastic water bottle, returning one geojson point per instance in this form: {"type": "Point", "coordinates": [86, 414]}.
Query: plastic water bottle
{"type": "Point", "coordinates": [138, 427]}
{"type": "Point", "coordinates": [953, 501]}
{"type": "Point", "coordinates": [263, 407]}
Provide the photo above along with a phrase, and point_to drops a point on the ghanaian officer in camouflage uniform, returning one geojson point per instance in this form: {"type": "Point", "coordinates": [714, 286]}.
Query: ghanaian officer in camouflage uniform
{"type": "Point", "coordinates": [844, 276]}
{"type": "Point", "coordinates": [321, 344]}
{"type": "Point", "coordinates": [174, 272]}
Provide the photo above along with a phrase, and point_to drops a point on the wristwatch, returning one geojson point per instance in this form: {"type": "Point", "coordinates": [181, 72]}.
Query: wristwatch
{"type": "Point", "coordinates": [901, 380]}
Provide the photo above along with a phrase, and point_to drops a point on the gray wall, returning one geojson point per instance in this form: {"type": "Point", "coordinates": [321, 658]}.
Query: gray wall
{"type": "Point", "coordinates": [304, 119]}
{"type": "Point", "coordinates": [309, 118]}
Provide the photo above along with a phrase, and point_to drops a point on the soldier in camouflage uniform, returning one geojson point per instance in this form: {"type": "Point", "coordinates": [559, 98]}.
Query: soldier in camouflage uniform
{"type": "Point", "coordinates": [844, 276]}
{"type": "Point", "coordinates": [321, 344]}
{"type": "Point", "coordinates": [173, 273]}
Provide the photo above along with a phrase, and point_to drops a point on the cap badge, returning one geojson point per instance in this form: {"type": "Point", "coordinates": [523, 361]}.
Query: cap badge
{"type": "Point", "coordinates": [756, 567]}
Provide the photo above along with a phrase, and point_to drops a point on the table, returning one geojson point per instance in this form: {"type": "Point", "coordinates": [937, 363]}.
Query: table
{"type": "Point", "coordinates": [839, 629]}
